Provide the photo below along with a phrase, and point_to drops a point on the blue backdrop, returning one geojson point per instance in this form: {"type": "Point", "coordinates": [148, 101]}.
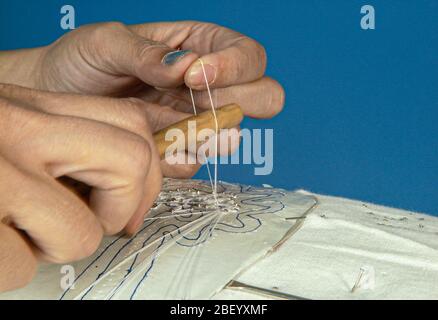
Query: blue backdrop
{"type": "Point", "coordinates": [361, 111]}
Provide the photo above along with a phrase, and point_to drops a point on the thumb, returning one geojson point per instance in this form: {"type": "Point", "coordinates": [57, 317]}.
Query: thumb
{"type": "Point", "coordinates": [155, 63]}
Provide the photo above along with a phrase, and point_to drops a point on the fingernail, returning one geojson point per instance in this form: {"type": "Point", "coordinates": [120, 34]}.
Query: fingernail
{"type": "Point", "coordinates": [197, 77]}
{"type": "Point", "coordinates": [174, 56]}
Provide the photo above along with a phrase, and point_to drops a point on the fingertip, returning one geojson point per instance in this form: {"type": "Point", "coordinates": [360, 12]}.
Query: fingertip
{"type": "Point", "coordinates": [200, 73]}
{"type": "Point", "coordinates": [277, 99]}
{"type": "Point", "coordinates": [176, 70]}
{"type": "Point", "coordinates": [167, 69]}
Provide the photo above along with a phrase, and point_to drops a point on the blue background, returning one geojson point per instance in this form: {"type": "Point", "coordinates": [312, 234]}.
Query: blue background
{"type": "Point", "coordinates": [361, 111]}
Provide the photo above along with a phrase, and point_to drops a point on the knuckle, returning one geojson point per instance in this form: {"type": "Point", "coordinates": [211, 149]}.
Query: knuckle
{"type": "Point", "coordinates": [104, 31]}
{"type": "Point", "coordinates": [147, 47]}
{"type": "Point", "coordinates": [240, 69]}
{"type": "Point", "coordinates": [161, 117]}
{"type": "Point", "coordinates": [113, 25]}
{"type": "Point", "coordinates": [262, 56]}
{"type": "Point", "coordinates": [140, 158]}
{"type": "Point", "coordinates": [137, 117]}
{"type": "Point", "coordinates": [21, 125]}
{"type": "Point", "coordinates": [110, 26]}
{"type": "Point", "coordinates": [250, 52]}
{"type": "Point", "coordinates": [208, 29]}
{"type": "Point", "coordinates": [145, 51]}
{"type": "Point", "coordinates": [235, 67]}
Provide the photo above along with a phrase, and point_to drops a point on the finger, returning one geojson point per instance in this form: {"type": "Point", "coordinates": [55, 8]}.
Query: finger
{"type": "Point", "coordinates": [131, 114]}
{"type": "Point", "coordinates": [235, 61]}
{"type": "Point", "coordinates": [121, 187]}
{"type": "Point", "coordinates": [117, 50]}
{"type": "Point", "coordinates": [187, 164]}
{"type": "Point", "coordinates": [180, 171]}
{"type": "Point", "coordinates": [152, 188]}
{"type": "Point", "coordinates": [83, 151]}
{"type": "Point", "coordinates": [124, 205]}
{"type": "Point", "coordinates": [59, 224]}
{"type": "Point", "coordinates": [184, 165]}
{"type": "Point", "coordinates": [229, 57]}
{"type": "Point", "coordinates": [263, 98]}
{"type": "Point", "coordinates": [17, 261]}
{"type": "Point", "coordinates": [119, 184]}
{"type": "Point", "coordinates": [125, 115]}
{"type": "Point", "coordinates": [173, 34]}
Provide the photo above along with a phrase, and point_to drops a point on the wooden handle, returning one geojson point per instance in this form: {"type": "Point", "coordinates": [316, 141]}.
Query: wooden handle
{"type": "Point", "coordinates": [228, 116]}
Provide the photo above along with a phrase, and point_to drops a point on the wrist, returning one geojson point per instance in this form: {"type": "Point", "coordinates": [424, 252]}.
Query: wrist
{"type": "Point", "coordinates": [21, 67]}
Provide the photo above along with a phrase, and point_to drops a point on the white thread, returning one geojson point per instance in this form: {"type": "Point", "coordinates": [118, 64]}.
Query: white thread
{"type": "Point", "coordinates": [188, 262]}
{"type": "Point", "coordinates": [215, 220]}
{"type": "Point", "coordinates": [213, 185]}
{"type": "Point", "coordinates": [174, 215]}
{"type": "Point", "coordinates": [154, 255]}
{"type": "Point", "coordinates": [141, 250]}
{"type": "Point", "coordinates": [193, 101]}
{"type": "Point", "coordinates": [216, 124]}
{"type": "Point", "coordinates": [205, 158]}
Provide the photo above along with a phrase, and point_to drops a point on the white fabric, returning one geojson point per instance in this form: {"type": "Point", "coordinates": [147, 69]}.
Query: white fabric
{"type": "Point", "coordinates": [397, 249]}
{"type": "Point", "coordinates": [316, 247]}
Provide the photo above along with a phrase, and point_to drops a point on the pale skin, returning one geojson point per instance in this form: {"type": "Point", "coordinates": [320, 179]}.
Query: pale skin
{"type": "Point", "coordinates": [86, 107]}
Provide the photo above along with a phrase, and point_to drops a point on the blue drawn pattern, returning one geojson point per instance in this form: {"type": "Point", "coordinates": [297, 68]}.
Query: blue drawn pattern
{"type": "Point", "coordinates": [254, 202]}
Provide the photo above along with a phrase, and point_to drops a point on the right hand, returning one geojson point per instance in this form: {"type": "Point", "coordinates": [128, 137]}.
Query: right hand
{"type": "Point", "coordinates": [103, 142]}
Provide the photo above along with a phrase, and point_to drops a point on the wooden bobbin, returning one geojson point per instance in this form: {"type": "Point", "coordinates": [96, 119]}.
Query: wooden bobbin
{"type": "Point", "coordinates": [228, 116]}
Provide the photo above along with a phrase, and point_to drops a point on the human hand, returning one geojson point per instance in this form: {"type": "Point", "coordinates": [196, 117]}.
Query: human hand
{"type": "Point", "coordinates": [102, 142]}
{"type": "Point", "coordinates": [112, 59]}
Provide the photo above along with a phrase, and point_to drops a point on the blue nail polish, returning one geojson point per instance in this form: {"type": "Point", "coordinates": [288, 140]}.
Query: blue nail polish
{"type": "Point", "coordinates": [172, 57]}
